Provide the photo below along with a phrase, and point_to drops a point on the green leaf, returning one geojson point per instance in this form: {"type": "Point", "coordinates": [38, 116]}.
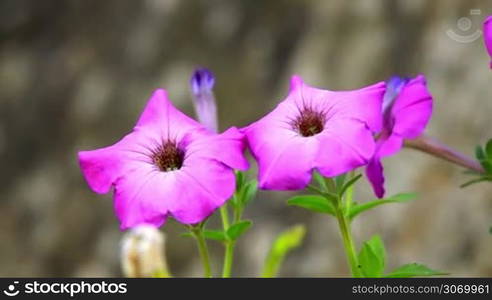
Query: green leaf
{"type": "Point", "coordinates": [238, 229]}
{"type": "Point", "coordinates": [414, 270]}
{"type": "Point", "coordinates": [398, 198]}
{"type": "Point", "coordinates": [349, 184]}
{"type": "Point", "coordinates": [488, 150]}
{"type": "Point", "coordinates": [320, 180]}
{"type": "Point", "coordinates": [479, 153]}
{"type": "Point", "coordinates": [487, 165]}
{"type": "Point", "coordinates": [313, 203]}
{"type": "Point", "coordinates": [372, 257]}
{"type": "Point", "coordinates": [249, 191]}
{"type": "Point", "coordinates": [283, 244]}
{"type": "Point", "coordinates": [339, 181]}
{"type": "Point", "coordinates": [217, 235]}
{"type": "Point", "coordinates": [490, 230]}
{"type": "Point", "coordinates": [239, 180]}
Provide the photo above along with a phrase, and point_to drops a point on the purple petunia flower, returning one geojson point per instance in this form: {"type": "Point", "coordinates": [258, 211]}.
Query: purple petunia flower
{"type": "Point", "coordinates": [407, 108]}
{"type": "Point", "coordinates": [169, 165]}
{"type": "Point", "coordinates": [487, 36]}
{"type": "Point", "coordinates": [315, 129]}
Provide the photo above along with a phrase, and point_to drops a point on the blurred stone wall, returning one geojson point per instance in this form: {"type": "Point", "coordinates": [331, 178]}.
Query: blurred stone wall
{"type": "Point", "coordinates": [76, 74]}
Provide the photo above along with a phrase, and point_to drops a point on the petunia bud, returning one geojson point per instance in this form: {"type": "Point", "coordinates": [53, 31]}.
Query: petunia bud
{"type": "Point", "coordinates": [202, 83]}
{"type": "Point", "coordinates": [143, 253]}
{"type": "Point", "coordinates": [487, 36]}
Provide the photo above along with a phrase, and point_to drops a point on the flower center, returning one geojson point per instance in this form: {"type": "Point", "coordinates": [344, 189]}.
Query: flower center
{"type": "Point", "coordinates": [309, 122]}
{"type": "Point", "coordinates": [168, 157]}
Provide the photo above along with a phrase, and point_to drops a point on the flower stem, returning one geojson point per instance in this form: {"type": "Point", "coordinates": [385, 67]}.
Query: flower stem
{"type": "Point", "coordinates": [203, 250]}
{"type": "Point", "coordinates": [438, 149]}
{"type": "Point", "coordinates": [343, 205]}
{"type": "Point", "coordinates": [348, 243]}
{"type": "Point", "coordinates": [228, 244]}
{"type": "Point", "coordinates": [224, 215]}
{"type": "Point", "coordinates": [228, 258]}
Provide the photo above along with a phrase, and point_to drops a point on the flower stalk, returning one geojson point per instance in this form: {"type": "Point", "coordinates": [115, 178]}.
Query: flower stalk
{"type": "Point", "coordinates": [228, 244]}
{"type": "Point", "coordinates": [197, 232]}
{"type": "Point", "coordinates": [433, 147]}
{"type": "Point", "coordinates": [348, 243]}
{"type": "Point", "coordinates": [342, 206]}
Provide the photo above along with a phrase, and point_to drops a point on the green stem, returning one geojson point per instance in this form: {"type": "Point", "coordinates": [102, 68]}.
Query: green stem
{"type": "Point", "coordinates": [202, 248]}
{"type": "Point", "coordinates": [224, 215]}
{"type": "Point", "coordinates": [228, 258]}
{"type": "Point", "coordinates": [348, 243]}
{"type": "Point", "coordinates": [343, 206]}
{"type": "Point", "coordinates": [229, 244]}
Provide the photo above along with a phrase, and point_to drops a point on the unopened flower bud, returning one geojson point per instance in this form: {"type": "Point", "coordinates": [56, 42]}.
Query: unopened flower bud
{"type": "Point", "coordinates": [143, 253]}
{"type": "Point", "coordinates": [202, 83]}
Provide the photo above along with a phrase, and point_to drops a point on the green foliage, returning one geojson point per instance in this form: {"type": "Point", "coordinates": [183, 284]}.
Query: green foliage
{"type": "Point", "coordinates": [372, 257]}
{"type": "Point", "coordinates": [414, 270]}
{"type": "Point", "coordinates": [313, 203]}
{"type": "Point", "coordinates": [484, 157]}
{"type": "Point", "coordinates": [217, 235]}
{"type": "Point", "coordinates": [283, 244]}
{"type": "Point", "coordinates": [349, 183]}
{"type": "Point", "coordinates": [372, 262]}
{"type": "Point", "coordinates": [237, 229]}
{"type": "Point", "coordinates": [398, 198]}
{"type": "Point", "coordinates": [245, 191]}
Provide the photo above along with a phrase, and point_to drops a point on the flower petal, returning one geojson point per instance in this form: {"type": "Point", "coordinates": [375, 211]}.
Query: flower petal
{"type": "Point", "coordinates": [285, 158]}
{"type": "Point", "coordinates": [101, 167]}
{"type": "Point", "coordinates": [200, 189]}
{"type": "Point", "coordinates": [487, 36]}
{"type": "Point", "coordinates": [143, 196]}
{"type": "Point", "coordinates": [227, 147]}
{"type": "Point", "coordinates": [363, 104]}
{"type": "Point", "coordinates": [374, 172]}
{"type": "Point", "coordinates": [412, 109]}
{"type": "Point", "coordinates": [344, 146]}
{"type": "Point", "coordinates": [163, 119]}
{"type": "Point", "coordinates": [389, 146]}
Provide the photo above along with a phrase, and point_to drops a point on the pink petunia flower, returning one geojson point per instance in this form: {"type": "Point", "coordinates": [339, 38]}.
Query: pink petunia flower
{"type": "Point", "coordinates": [407, 108]}
{"type": "Point", "coordinates": [315, 129]}
{"type": "Point", "coordinates": [169, 165]}
{"type": "Point", "coordinates": [487, 36]}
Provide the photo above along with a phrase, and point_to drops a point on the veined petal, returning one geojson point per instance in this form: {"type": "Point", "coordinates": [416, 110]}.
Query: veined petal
{"type": "Point", "coordinates": [163, 119]}
{"type": "Point", "coordinates": [227, 147]}
{"type": "Point", "coordinates": [287, 165]}
{"type": "Point", "coordinates": [363, 104]}
{"type": "Point", "coordinates": [389, 146]}
{"type": "Point", "coordinates": [143, 196]}
{"type": "Point", "coordinates": [339, 153]}
{"type": "Point", "coordinates": [413, 108]}
{"type": "Point", "coordinates": [285, 158]}
{"type": "Point", "coordinates": [201, 187]}
{"type": "Point", "coordinates": [102, 167]}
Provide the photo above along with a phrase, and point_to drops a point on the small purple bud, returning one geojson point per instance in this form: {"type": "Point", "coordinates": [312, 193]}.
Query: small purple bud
{"type": "Point", "coordinates": [202, 82]}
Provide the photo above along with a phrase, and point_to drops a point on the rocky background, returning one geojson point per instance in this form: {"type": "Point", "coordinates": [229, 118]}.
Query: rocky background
{"type": "Point", "coordinates": [76, 74]}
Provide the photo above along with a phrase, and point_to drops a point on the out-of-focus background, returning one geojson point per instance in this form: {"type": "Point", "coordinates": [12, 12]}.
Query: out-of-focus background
{"type": "Point", "coordinates": [76, 74]}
